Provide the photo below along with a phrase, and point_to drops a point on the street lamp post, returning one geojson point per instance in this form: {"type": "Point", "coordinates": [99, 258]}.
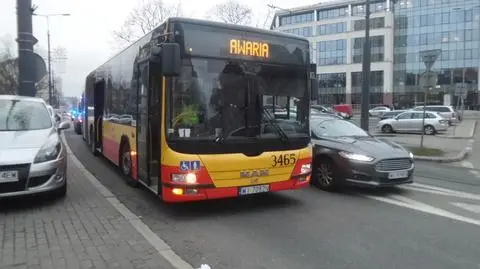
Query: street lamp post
{"type": "Point", "coordinates": [366, 70]}
{"type": "Point", "coordinates": [49, 53]}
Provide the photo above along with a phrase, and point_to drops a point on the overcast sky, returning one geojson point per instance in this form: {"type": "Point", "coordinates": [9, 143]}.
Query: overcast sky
{"type": "Point", "coordinates": [86, 34]}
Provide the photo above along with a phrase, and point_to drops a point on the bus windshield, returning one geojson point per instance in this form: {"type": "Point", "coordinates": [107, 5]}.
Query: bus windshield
{"type": "Point", "coordinates": [237, 100]}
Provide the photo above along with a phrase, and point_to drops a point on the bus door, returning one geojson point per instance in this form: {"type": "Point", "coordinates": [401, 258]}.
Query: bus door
{"type": "Point", "coordinates": [148, 126]}
{"type": "Point", "coordinates": [98, 103]}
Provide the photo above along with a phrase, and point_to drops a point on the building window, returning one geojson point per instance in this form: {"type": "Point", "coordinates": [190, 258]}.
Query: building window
{"type": "Point", "coordinates": [332, 13]}
{"type": "Point", "coordinates": [379, 6]}
{"type": "Point", "coordinates": [296, 19]}
{"type": "Point", "coordinates": [333, 28]}
{"type": "Point", "coordinates": [331, 88]}
{"type": "Point", "coordinates": [304, 31]}
{"type": "Point", "coordinates": [376, 45]}
{"type": "Point", "coordinates": [375, 23]}
{"type": "Point", "coordinates": [332, 52]}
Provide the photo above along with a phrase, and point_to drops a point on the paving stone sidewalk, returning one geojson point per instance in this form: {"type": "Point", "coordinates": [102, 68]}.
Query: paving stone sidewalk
{"type": "Point", "coordinates": [82, 230]}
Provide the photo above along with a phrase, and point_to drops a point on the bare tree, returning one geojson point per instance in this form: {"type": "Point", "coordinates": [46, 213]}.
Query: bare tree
{"type": "Point", "coordinates": [9, 69]}
{"type": "Point", "coordinates": [142, 19]}
{"type": "Point", "coordinates": [232, 12]}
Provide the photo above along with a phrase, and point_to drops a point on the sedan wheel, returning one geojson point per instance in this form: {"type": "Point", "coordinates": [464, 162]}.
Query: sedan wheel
{"type": "Point", "coordinates": [429, 130]}
{"type": "Point", "coordinates": [326, 175]}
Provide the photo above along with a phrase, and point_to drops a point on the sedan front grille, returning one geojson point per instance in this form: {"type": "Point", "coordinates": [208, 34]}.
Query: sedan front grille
{"type": "Point", "coordinates": [393, 164]}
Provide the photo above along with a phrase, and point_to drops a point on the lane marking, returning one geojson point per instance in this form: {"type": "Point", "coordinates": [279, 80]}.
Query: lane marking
{"type": "Point", "coordinates": [467, 164]}
{"type": "Point", "coordinates": [162, 248]}
{"type": "Point", "coordinates": [402, 201]}
{"type": "Point", "coordinates": [469, 207]}
{"type": "Point", "coordinates": [441, 191]}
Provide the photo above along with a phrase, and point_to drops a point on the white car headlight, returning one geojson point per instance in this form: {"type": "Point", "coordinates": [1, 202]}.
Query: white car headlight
{"type": "Point", "coordinates": [411, 155]}
{"type": "Point", "coordinates": [49, 151]}
{"type": "Point", "coordinates": [356, 157]}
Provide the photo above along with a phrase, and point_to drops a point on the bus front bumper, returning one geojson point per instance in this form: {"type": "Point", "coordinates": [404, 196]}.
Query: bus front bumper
{"type": "Point", "coordinates": [179, 194]}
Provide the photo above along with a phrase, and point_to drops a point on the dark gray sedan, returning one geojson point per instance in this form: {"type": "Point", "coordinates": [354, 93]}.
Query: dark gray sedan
{"type": "Point", "coordinates": [346, 154]}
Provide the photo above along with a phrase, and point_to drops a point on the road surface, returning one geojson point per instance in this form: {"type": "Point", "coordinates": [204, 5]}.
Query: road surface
{"type": "Point", "coordinates": [433, 223]}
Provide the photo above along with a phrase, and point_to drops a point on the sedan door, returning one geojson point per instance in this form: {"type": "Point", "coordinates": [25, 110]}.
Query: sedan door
{"type": "Point", "coordinates": [402, 122]}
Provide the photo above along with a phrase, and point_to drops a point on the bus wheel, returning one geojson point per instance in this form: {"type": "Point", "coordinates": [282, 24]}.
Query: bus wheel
{"type": "Point", "coordinates": [126, 165]}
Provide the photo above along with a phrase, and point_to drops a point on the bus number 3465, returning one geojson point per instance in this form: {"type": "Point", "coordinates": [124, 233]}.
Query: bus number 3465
{"type": "Point", "coordinates": [283, 160]}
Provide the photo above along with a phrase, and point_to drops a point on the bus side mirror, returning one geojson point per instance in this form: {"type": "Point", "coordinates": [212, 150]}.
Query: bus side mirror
{"type": "Point", "coordinates": [170, 59]}
{"type": "Point", "coordinates": [314, 89]}
{"type": "Point", "coordinates": [313, 82]}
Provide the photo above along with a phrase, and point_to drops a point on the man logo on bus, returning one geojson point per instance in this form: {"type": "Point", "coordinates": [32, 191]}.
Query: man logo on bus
{"type": "Point", "coordinates": [254, 173]}
{"type": "Point", "coordinates": [249, 48]}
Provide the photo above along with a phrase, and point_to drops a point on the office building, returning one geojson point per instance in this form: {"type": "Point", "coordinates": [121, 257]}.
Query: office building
{"type": "Point", "coordinates": [399, 30]}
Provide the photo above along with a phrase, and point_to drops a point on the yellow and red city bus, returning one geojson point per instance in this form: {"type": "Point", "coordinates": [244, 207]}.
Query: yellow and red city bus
{"type": "Point", "coordinates": [199, 110]}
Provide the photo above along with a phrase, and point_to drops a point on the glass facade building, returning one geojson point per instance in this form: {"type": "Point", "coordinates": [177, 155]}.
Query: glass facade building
{"type": "Point", "coordinates": [451, 26]}
{"type": "Point", "coordinates": [399, 31]}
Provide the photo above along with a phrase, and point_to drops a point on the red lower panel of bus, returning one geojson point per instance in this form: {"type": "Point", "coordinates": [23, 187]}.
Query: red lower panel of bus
{"type": "Point", "coordinates": [218, 193]}
{"type": "Point", "coordinates": [111, 150]}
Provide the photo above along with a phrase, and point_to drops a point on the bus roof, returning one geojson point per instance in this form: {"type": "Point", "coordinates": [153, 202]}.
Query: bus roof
{"type": "Point", "coordinates": [207, 23]}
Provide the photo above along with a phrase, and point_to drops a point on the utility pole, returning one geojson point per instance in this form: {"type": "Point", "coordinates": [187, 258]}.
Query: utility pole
{"type": "Point", "coordinates": [49, 60]}
{"type": "Point", "coordinates": [49, 56]}
{"type": "Point", "coordinates": [25, 39]}
{"type": "Point", "coordinates": [366, 70]}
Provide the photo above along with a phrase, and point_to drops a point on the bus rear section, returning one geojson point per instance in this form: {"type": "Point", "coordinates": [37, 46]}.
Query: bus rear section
{"type": "Point", "coordinates": [203, 177]}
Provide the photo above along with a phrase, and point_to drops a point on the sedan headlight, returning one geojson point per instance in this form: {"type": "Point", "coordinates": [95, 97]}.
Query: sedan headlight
{"type": "Point", "coordinates": [49, 151]}
{"type": "Point", "coordinates": [356, 157]}
{"type": "Point", "coordinates": [411, 155]}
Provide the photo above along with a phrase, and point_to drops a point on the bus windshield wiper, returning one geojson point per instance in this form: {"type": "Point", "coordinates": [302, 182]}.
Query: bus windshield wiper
{"type": "Point", "coordinates": [271, 120]}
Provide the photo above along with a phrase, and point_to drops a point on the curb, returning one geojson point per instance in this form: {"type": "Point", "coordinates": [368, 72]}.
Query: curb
{"type": "Point", "coordinates": [462, 155]}
{"type": "Point", "coordinates": [162, 248]}
{"type": "Point", "coordinates": [474, 130]}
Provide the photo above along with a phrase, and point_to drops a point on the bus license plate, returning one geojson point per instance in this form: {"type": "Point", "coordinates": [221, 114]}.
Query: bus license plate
{"type": "Point", "coordinates": [254, 189]}
{"type": "Point", "coordinates": [8, 176]}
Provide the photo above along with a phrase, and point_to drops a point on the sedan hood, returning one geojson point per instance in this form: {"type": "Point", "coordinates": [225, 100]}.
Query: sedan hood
{"type": "Point", "coordinates": [21, 146]}
{"type": "Point", "coordinates": [371, 146]}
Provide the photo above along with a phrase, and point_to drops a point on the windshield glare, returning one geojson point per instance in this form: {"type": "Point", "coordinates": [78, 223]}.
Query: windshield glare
{"type": "Point", "coordinates": [16, 115]}
{"type": "Point", "coordinates": [237, 99]}
{"type": "Point", "coordinates": [336, 128]}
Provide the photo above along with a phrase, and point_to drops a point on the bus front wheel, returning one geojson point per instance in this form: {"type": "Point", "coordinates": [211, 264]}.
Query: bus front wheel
{"type": "Point", "coordinates": [126, 165]}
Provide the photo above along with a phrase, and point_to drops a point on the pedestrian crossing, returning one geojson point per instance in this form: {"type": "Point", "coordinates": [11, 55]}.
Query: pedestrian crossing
{"type": "Point", "coordinates": [452, 204]}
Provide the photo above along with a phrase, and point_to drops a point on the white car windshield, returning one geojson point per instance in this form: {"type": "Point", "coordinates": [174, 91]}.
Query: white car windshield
{"type": "Point", "coordinates": [22, 115]}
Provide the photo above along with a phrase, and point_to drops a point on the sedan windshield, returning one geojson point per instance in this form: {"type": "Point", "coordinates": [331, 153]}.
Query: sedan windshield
{"type": "Point", "coordinates": [237, 100]}
{"type": "Point", "coordinates": [337, 128]}
{"type": "Point", "coordinates": [20, 115]}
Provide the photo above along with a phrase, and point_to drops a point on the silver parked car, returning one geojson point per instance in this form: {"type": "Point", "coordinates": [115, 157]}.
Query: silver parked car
{"type": "Point", "coordinates": [32, 156]}
{"type": "Point", "coordinates": [411, 121]}
{"type": "Point", "coordinates": [446, 112]}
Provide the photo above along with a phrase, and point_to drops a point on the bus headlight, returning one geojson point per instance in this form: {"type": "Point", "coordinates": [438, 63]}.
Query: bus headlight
{"type": "Point", "coordinates": [189, 178]}
{"type": "Point", "coordinates": [306, 168]}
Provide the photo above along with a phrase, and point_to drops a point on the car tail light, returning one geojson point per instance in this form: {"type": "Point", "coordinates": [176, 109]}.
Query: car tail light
{"type": "Point", "coordinates": [443, 121]}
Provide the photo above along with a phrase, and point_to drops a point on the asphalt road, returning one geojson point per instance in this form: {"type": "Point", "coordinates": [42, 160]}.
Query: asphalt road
{"type": "Point", "coordinates": [433, 223]}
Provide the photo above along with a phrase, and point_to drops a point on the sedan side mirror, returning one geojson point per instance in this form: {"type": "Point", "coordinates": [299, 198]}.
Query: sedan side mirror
{"type": "Point", "coordinates": [64, 125]}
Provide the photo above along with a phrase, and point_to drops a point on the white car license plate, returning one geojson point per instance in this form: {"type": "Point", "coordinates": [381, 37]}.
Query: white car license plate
{"type": "Point", "coordinates": [8, 176]}
{"type": "Point", "coordinates": [398, 174]}
{"type": "Point", "coordinates": [254, 189]}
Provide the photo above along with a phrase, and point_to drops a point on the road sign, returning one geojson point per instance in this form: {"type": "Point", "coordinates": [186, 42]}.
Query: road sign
{"type": "Point", "coordinates": [428, 80]}
{"type": "Point", "coordinates": [429, 57]}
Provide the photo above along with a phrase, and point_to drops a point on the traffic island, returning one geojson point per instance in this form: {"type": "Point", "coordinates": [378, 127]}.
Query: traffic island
{"type": "Point", "coordinates": [438, 155]}
{"type": "Point", "coordinates": [426, 152]}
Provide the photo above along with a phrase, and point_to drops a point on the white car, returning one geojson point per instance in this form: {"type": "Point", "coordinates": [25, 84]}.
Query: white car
{"type": "Point", "coordinates": [378, 111]}
{"type": "Point", "coordinates": [33, 158]}
{"type": "Point", "coordinates": [411, 122]}
{"type": "Point", "coordinates": [445, 111]}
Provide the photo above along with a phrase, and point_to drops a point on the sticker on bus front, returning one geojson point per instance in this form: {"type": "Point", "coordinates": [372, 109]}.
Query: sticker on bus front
{"type": "Point", "coordinates": [184, 165]}
{"type": "Point", "coordinates": [189, 165]}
